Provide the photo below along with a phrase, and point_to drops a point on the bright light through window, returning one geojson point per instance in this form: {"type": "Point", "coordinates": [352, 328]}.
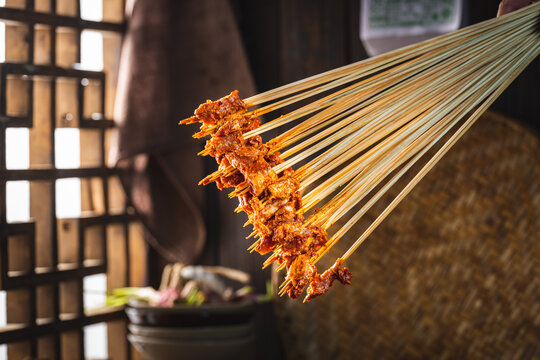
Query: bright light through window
{"type": "Point", "coordinates": [67, 148]}
{"type": "Point", "coordinates": [68, 198]}
{"type": "Point", "coordinates": [95, 341]}
{"type": "Point", "coordinates": [17, 148]}
{"type": "Point", "coordinates": [3, 319]}
{"type": "Point", "coordinates": [91, 50]}
{"type": "Point", "coordinates": [18, 201]}
{"type": "Point", "coordinates": [95, 287]}
{"type": "Point", "coordinates": [92, 10]}
{"type": "Point", "coordinates": [2, 42]}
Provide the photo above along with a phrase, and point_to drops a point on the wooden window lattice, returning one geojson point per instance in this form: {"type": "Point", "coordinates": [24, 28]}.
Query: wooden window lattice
{"type": "Point", "coordinates": [44, 261]}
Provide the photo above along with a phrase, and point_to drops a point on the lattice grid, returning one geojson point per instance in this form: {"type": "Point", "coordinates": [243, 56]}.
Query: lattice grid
{"type": "Point", "coordinates": [45, 258]}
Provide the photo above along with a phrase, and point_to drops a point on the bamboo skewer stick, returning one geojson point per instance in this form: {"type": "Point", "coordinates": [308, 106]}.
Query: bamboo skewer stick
{"type": "Point", "coordinates": [503, 84]}
{"type": "Point", "coordinates": [361, 163]}
{"type": "Point", "coordinates": [381, 118]}
{"type": "Point", "coordinates": [462, 109]}
{"type": "Point", "coordinates": [340, 154]}
{"type": "Point", "coordinates": [328, 188]}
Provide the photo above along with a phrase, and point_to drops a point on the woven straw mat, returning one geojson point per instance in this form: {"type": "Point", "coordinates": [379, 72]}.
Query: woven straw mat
{"type": "Point", "coordinates": [452, 273]}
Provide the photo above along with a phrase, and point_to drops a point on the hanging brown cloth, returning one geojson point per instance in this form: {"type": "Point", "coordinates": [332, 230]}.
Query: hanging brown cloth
{"type": "Point", "coordinates": [176, 54]}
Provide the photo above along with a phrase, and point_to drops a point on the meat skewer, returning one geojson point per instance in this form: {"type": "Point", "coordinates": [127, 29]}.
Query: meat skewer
{"type": "Point", "coordinates": [381, 117]}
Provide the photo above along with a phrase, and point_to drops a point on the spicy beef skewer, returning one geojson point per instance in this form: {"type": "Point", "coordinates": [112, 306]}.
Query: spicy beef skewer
{"type": "Point", "coordinates": [273, 201]}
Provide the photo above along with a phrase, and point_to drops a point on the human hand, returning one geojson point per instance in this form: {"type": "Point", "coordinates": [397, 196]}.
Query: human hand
{"type": "Point", "coordinates": [507, 6]}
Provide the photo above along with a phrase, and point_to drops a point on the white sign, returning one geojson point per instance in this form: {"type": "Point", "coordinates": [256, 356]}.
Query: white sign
{"type": "Point", "coordinates": [388, 24]}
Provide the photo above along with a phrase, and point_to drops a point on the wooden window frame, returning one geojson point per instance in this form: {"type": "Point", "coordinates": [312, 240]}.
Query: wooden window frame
{"type": "Point", "coordinates": [56, 289]}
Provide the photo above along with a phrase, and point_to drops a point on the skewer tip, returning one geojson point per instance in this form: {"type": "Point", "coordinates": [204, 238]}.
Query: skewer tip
{"type": "Point", "coordinates": [189, 120]}
{"type": "Point", "coordinates": [284, 283]}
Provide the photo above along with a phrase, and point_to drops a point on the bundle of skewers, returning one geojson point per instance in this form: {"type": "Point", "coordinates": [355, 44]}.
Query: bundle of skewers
{"type": "Point", "coordinates": [364, 127]}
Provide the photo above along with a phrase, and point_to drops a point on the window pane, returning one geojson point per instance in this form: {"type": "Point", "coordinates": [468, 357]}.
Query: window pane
{"type": "Point", "coordinates": [92, 10]}
{"type": "Point", "coordinates": [67, 148]}
{"type": "Point", "coordinates": [18, 201]}
{"type": "Point", "coordinates": [91, 50]}
{"type": "Point", "coordinates": [95, 341]}
{"type": "Point", "coordinates": [2, 41]}
{"type": "Point", "coordinates": [17, 148]}
{"type": "Point", "coordinates": [68, 198]}
{"type": "Point", "coordinates": [95, 287]}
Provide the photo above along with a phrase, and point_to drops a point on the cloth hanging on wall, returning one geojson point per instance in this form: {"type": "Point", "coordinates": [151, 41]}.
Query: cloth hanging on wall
{"type": "Point", "coordinates": [175, 54]}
